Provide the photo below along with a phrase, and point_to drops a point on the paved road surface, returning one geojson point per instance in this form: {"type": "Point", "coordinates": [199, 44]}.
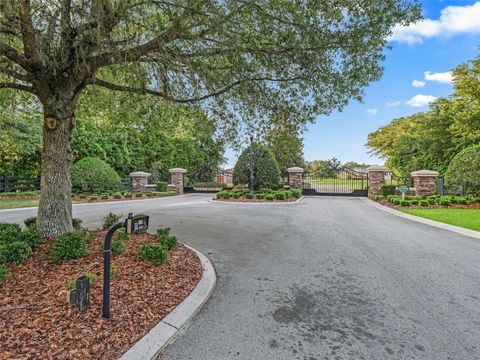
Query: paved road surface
{"type": "Point", "coordinates": [329, 278]}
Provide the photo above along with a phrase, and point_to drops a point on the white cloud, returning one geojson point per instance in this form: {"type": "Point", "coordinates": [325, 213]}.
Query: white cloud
{"type": "Point", "coordinates": [418, 83]}
{"type": "Point", "coordinates": [393, 103]}
{"type": "Point", "coordinates": [445, 77]}
{"type": "Point", "coordinates": [454, 20]}
{"type": "Point", "coordinates": [372, 111]}
{"type": "Point", "coordinates": [420, 100]}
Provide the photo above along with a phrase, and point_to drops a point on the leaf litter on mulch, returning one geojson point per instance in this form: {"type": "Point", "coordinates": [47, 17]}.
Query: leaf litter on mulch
{"type": "Point", "coordinates": [36, 322]}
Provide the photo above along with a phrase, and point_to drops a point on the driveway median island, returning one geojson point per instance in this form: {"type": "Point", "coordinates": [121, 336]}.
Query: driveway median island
{"type": "Point", "coordinates": [150, 276]}
{"type": "Point", "coordinates": [264, 195]}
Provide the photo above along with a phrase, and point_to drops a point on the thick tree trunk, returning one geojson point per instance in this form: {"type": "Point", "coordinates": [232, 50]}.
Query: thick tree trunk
{"type": "Point", "coordinates": [55, 209]}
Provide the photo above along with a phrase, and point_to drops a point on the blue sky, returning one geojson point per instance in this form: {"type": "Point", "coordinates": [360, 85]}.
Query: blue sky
{"type": "Point", "coordinates": [424, 53]}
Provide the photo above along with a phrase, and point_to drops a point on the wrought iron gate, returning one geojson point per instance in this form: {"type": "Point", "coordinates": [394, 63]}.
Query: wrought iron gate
{"type": "Point", "coordinates": [335, 180]}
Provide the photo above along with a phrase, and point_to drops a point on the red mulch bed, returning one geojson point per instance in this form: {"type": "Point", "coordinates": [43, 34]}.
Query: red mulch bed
{"type": "Point", "coordinates": [36, 322]}
{"type": "Point", "coordinates": [453, 206]}
{"type": "Point", "coordinates": [17, 197]}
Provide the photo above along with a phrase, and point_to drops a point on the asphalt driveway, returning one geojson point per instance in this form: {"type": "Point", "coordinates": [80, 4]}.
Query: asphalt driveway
{"type": "Point", "coordinates": [328, 278]}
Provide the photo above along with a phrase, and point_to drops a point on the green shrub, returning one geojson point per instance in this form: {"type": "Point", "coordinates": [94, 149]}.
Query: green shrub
{"type": "Point", "coordinates": [237, 195]}
{"type": "Point", "coordinates": [93, 198]}
{"type": "Point", "coordinates": [110, 219]}
{"type": "Point", "coordinates": [464, 169]}
{"type": "Point", "coordinates": [169, 241]}
{"type": "Point", "coordinates": [154, 254]}
{"type": "Point", "coordinates": [118, 246]}
{"type": "Point", "coordinates": [297, 193]}
{"type": "Point", "coordinates": [265, 190]}
{"type": "Point", "coordinates": [404, 202]}
{"type": "Point", "coordinates": [424, 203]}
{"type": "Point", "coordinates": [117, 195]}
{"type": "Point", "coordinates": [260, 196]}
{"type": "Point", "coordinates": [266, 171]}
{"type": "Point", "coordinates": [3, 272]}
{"type": "Point", "coordinates": [105, 197]}
{"type": "Point", "coordinates": [149, 194]}
{"type": "Point", "coordinates": [128, 196]}
{"type": "Point", "coordinates": [397, 201]}
{"type": "Point", "coordinates": [122, 235]}
{"type": "Point", "coordinates": [249, 196]}
{"type": "Point", "coordinates": [16, 252]}
{"type": "Point", "coordinates": [227, 195]}
{"type": "Point", "coordinates": [270, 197]}
{"type": "Point", "coordinates": [445, 202]}
{"type": "Point", "coordinates": [414, 202]}
{"type": "Point", "coordinates": [82, 196]}
{"type": "Point", "coordinates": [387, 190]}
{"type": "Point", "coordinates": [30, 222]}
{"type": "Point", "coordinates": [162, 186]}
{"type": "Point", "coordinates": [31, 236]}
{"type": "Point", "coordinates": [70, 245]}
{"type": "Point", "coordinates": [280, 196]}
{"type": "Point", "coordinates": [9, 233]}
{"type": "Point", "coordinates": [288, 194]}
{"type": "Point", "coordinates": [139, 195]}
{"type": "Point", "coordinates": [379, 197]}
{"type": "Point", "coordinates": [431, 201]}
{"type": "Point", "coordinates": [462, 201]}
{"type": "Point", "coordinates": [220, 194]}
{"type": "Point", "coordinates": [93, 174]}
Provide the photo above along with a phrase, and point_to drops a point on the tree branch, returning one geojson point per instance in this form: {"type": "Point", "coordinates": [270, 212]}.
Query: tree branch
{"type": "Point", "coordinates": [13, 55]}
{"type": "Point", "coordinates": [14, 74]}
{"type": "Point", "coordinates": [6, 85]}
{"type": "Point", "coordinates": [30, 45]}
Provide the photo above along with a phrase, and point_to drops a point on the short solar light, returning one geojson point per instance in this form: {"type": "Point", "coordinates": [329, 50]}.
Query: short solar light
{"type": "Point", "coordinates": [132, 224]}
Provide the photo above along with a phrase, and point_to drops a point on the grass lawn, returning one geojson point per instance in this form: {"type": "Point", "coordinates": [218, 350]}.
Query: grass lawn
{"type": "Point", "coordinates": [466, 218]}
{"type": "Point", "coordinates": [18, 203]}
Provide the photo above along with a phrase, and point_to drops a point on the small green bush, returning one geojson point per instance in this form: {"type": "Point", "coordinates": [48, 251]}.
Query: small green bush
{"type": "Point", "coordinates": [31, 236]}
{"type": "Point", "coordinates": [121, 235]}
{"type": "Point", "coordinates": [169, 241]}
{"type": "Point", "coordinates": [162, 186]}
{"type": "Point", "coordinates": [93, 174]}
{"type": "Point", "coordinates": [110, 219]}
{"type": "Point", "coordinates": [249, 196]}
{"type": "Point", "coordinates": [227, 195]}
{"type": "Point", "coordinates": [445, 202]}
{"type": "Point", "coordinates": [128, 196]}
{"type": "Point", "coordinates": [82, 196]}
{"type": "Point", "coordinates": [288, 194]}
{"type": "Point", "coordinates": [379, 197]}
{"type": "Point", "coordinates": [297, 193]}
{"type": "Point", "coordinates": [117, 195]}
{"type": "Point", "coordinates": [93, 198]}
{"type": "Point", "coordinates": [3, 272]}
{"type": "Point", "coordinates": [9, 233]}
{"type": "Point", "coordinates": [70, 245]}
{"type": "Point", "coordinates": [154, 254]}
{"type": "Point", "coordinates": [149, 194]}
{"type": "Point", "coordinates": [431, 201]}
{"type": "Point", "coordinates": [237, 195]}
{"type": "Point", "coordinates": [30, 222]}
{"type": "Point", "coordinates": [424, 203]}
{"type": "Point", "coordinates": [280, 196]}
{"type": "Point", "coordinates": [397, 201]}
{"type": "Point", "coordinates": [260, 196]}
{"type": "Point", "coordinates": [265, 190]}
{"type": "Point", "coordinates": [414, 202]}
{"type": "Point", "coordinates": [139, 195]}
{"type": "Point", "coordinates": [16, 252]}
{"type": "Point", "coordinates": [404, 202]}
{"type": "Point", "coordinates": [118, 246]}
{"type": "Point", "coordinates": [387, 190]}
{"type": "Point", "coordinates": [105, 197]}
{"type": "Point", "coordinates": [270, 197]}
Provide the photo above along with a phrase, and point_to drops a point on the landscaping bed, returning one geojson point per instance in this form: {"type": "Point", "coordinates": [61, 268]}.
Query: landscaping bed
{"type": "Point", "coordinates": [119, 195]}
{"type": "Point", "coordinates": [151, 276]}
{"type": "Point", "coordinates": [263, 195]}
{"type": "Point", "coordinates": [430, 202]}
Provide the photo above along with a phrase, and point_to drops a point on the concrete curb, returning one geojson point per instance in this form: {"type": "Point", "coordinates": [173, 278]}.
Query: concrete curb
{"type": "Point", "coordinates": [258, 203]}
{"type": "Point", "coordinates": [166, 331]}
{"type": "Point", "coordinates": [437, 224]}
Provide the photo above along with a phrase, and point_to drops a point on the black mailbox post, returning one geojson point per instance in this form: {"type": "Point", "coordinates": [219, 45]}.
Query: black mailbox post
{"type": "Point", "coordinates": [132, 224]}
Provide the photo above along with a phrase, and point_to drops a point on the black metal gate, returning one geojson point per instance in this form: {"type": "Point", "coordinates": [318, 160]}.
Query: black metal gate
{"type": "Point", "coordinates": [335, 180]}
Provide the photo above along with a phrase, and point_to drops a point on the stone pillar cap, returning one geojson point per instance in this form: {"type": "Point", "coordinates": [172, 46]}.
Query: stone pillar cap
{"type": "Point", "coordinates": [177, 170]}
{"type": "Point", "coordinates": [295, 169]}
{"type": "Point", "coordinates": [376, 168]}
{"type": "Point", "coordinates": [140, 173]}
{"type": "Point", "coordinates": [425, 173]}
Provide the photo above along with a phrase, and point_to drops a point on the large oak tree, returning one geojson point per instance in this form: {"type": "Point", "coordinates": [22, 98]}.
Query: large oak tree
{"type": "Point", "coordinates": [243, 59]}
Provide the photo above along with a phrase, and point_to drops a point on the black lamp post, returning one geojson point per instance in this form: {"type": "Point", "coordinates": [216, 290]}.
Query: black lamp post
{"type": "Point", "coordinates": [251, 165]}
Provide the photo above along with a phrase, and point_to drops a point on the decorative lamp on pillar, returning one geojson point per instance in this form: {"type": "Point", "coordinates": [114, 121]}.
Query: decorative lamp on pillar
{"type": "Point", "coordinates": [424, 182]}
{"type": "Point", "coordinates": [376, 179]}
{"type": "Point", "coordinates": [177, 179]}
{"type": "Point", "coordinates": [295, 175]}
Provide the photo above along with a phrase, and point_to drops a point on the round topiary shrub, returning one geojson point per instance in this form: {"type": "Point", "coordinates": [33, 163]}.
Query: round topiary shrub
{"type": "Point", "coordinates": [265, 170]}
{"type": "Point", "coordinates": [93, 174]}
{"type": "Point", "coordinates": [464, 170]}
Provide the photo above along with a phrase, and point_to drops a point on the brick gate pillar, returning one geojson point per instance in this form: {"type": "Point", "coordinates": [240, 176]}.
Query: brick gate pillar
{"type": "Point", "coordinates": [295, 177]}
{"type": "Point", "coordinates": [424, 182]}
{"type": "Point", "coordinates": [177, 179]}
{"type": "Point", "coordinates": [139, 180]}
{"type": "Point", "coordinates": [376, 178]}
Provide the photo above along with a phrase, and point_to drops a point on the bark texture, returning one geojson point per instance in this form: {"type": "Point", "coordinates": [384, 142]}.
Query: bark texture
{"type": "Point", "coordinates": [55, 209]}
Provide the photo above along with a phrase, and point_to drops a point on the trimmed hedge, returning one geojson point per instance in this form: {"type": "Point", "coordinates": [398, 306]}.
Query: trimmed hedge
{"type": "Point", "coordinates": [70, 245]}
{"type": "Point", "coordinates": [93, 174]}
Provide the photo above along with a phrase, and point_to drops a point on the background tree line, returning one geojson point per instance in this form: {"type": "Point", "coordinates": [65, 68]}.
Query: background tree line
{"type": "Point", "coordinates": [430, 140]}
{"type": "Point", "coordinates": [128, 131]}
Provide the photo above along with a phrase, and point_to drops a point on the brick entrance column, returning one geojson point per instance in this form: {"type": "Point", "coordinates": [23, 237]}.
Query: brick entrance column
{"type": "Point", "coordinates": [177, 179]}
{"type": "Point", "coordinates": [424, 182]}
{"type": "Point", "coordinates": [139, 180]}
{"type": "Point", "coordinates": [295, 177]}
{"type": "Point", "coordinates": [376, 178]}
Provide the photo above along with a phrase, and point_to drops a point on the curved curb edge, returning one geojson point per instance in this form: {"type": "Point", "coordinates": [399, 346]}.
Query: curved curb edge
{"type": "Point", "coordinates": [167, 330]}
{"type": "Point", "coordinates": [437, 224]}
